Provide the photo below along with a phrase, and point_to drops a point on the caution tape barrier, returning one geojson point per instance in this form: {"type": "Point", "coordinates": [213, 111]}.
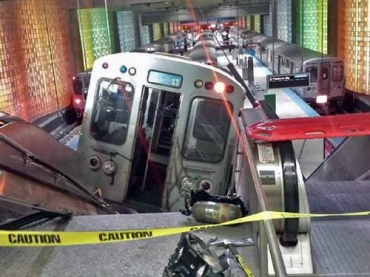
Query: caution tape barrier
{"type": "Point", "coordinates": [57, 238]}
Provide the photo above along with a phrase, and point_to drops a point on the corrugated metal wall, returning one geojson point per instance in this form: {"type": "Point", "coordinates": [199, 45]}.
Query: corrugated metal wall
{"type": "Point", "coordinates": [165, 29]}
{"type": "Point", "coordinates": [127, 25]}
{"type": "Point", "coordinates": [257, 23]}
{"type": "Point", "coordinates": [311, 24]}
{"type": "Point", "coordinates": [284, 19]}
{"type": "Point", "coordinates": [144, 35]}
{"type": "Point", "coordinates": [356, 44]}
{"type": "Point", "coordinates": [267, 30]}
{"type": "Point", "coordinates": [35, 59]}
{"type": "Point", "coordinates": [157, 31]}
{"type": "Point", "coordinates": [96, 30]}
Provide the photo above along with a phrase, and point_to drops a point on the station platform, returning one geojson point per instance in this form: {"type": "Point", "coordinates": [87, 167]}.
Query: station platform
{"type": "Point", "coordinates": [309, 153]}
{"type": "Point", "coordinates": [335, 243]}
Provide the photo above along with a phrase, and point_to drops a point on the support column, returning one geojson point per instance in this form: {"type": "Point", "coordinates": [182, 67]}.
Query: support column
{"type": "Point", "coordinates": [273, 18]}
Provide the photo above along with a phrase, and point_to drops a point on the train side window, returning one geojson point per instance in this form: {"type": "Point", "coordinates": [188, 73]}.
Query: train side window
{"type": "Point", "coordinates": [313, 73]}
{"type": "Point", "coordinates": [337, 73]}
{"type": "Point", "coordinates": [112, 111]}
{"type": "Point", "coordinates": [207, 130]}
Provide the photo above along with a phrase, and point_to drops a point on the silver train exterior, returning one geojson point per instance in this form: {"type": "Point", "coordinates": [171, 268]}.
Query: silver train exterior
{"type": "Point", "coordinates": [166, 44]}
{"type": "Point", "coordinates": [204, 50]}
{"type": "Point", "coordinates": [157, 126]}
{"type": "Point", "coordinates": [326, 72]}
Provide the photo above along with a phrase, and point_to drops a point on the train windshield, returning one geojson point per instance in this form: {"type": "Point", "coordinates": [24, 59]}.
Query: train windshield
{"type": "Point", "coordinates": [111, 115]}
{"type": "Point", "coordinates": [338, 73]}
{"type": "Point", "coordinates": [77, 87]}
{"type": "Point", "coordinates": [313, 73]}
{"type": "Point", "coordinates": [207, 130]}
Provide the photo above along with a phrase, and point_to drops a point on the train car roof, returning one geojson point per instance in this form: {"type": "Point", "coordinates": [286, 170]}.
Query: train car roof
{"type": "Point", "coordinates": [298, 54]}
{"type": "Point", "coordinates": [165, 40]}
{"type": "Point", "coordinates": [199, 54]}
{"type": "Point", "coordinates": [269, 42]}
{"type": "Point", "coordinates": [205, 43]}
{"type": "Point", "coordinates": [289, 50]}
{"type": "Point", "coordinates": [152, 47]}
{"type": "Point", "coordinates": [258, 37]}
{"type": "Point", "coordinates": [248, 34]}
{"type": "Point", "coordinates": [88, 72]}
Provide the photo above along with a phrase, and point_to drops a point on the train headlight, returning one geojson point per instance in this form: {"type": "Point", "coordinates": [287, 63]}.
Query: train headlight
{"type": "Point", "coordinates": [205, 184]}
{"type": "Point", "coordinates": [219, 87]}
{"type": "Point", "coordinates": [94, 162]}
{"type": "Point", "coordinates": [187, 184]}
{"type": "Point", "coordinates": [321, 99]}
{"type": "Point", "coordinates": [109, 167]}
{"type": "Point", "coordinates": [198, 83]}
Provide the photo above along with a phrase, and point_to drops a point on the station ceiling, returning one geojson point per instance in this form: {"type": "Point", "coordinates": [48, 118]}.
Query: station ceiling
{"type": "Point", "coordinates": [180, 10]}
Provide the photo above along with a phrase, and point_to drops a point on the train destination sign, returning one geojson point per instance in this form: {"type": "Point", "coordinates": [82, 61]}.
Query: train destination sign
{"type": "Point", "coordinates": [164, 79]}
{"type": "Point", "coordinates": [288, 81]}
{"type": "Point", "coordinates": [253, 44]}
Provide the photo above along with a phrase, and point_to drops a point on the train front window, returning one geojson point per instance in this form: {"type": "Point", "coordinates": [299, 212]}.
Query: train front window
{"type": "Point", "coordinates": [313, 73]}
{"type": "Point", "coordinates": [207, 131]}
{"type": "Point", "coordinates": [112, 110]}
{"type": "Point", "coordinates": [337, 73]}
{"type": "Point", "coordinates": [77, 87]}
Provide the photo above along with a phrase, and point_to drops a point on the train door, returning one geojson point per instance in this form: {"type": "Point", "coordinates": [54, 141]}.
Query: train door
{"type": "Point", "coordinates": [324, 78]}
{"type": "Point", "coordinates": [155, 130]}
{"type": "Point", "coordinates": [78, 101]}
{"type": "Point", "coordinates": [337, 78]}
{"type": "Point", "coordinates": [310, 92]}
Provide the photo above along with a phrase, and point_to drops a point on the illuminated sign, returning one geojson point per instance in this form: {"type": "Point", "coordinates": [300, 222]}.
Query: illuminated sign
{"type": "Point", "coordinates": [253, 45]}
{"type": "Point", "coordinates": [288, 81]}
{"type": "Point", "coordinates": [164, 79]}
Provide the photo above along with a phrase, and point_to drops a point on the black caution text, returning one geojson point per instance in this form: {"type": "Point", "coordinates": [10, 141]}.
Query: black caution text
{"type": "Point", "coordinates": [33, 239]}
{"type": "Point", "coordinates": [124, 235]}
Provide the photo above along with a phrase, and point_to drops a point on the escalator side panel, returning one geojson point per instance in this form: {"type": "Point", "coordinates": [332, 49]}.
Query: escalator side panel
{"type": "Point", "coordinates": [289, 171]}
{"type": "Point", "coordinates": [347, 163]}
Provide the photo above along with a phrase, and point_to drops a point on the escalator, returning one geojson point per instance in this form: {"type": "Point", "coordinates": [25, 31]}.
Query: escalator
{"type": "Point", "coordinates": [348, 162]}
{"type": "Point", "coordinates": [35, 177]}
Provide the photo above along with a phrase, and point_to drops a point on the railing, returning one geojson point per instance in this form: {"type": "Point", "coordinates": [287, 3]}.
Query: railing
{"type": "Point", "coordinates": [251, 190]}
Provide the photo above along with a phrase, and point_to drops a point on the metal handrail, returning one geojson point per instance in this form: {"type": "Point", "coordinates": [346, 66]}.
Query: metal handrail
{"type": "Point", "coordinates": [276, 256]}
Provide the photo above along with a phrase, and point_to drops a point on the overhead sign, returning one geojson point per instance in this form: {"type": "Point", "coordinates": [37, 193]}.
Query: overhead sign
{"type": "Point", "coordinates": [253, 44]}
{"type": "Point", "coordinates": [164, 79]}
{"type": "Point", "coordinates": [288, 81]}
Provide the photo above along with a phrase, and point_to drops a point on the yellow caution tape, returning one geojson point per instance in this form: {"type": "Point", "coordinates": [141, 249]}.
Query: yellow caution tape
{"type": "Point", "coordinates": [55, 238]}
{"type": "Point", "coordinates": [244, 266]}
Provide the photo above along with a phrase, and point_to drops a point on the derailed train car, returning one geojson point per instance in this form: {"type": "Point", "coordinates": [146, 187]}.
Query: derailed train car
{"type": "Point", "coordinates": [326, 72]}
{"type": "Point", "coordinates": [154, 129]}
{"type": "Point", "coordinates": [158, 126]}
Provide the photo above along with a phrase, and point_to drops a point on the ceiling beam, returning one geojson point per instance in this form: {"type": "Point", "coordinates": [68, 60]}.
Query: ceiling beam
{"type": "Point", "coordinates": [215, 12]}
